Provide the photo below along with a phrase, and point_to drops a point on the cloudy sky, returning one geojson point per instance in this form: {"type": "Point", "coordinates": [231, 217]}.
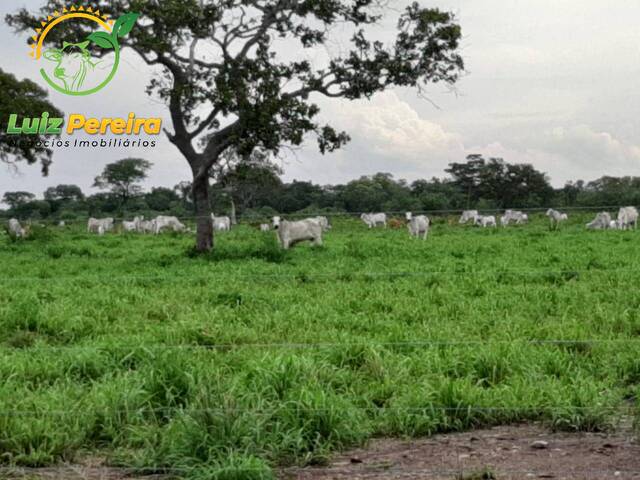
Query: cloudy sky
{"type": "Point", "coordinates": [548, 82]}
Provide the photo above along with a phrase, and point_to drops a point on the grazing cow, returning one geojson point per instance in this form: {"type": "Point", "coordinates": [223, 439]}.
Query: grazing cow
{"type": "Point", "coordinates": [601, 222]}
{"type": "Point", "coordinates": [147, 226]}
{"type": "Point", "coordinates": [62, 224]}
{"type": "Point", "coordinates": [513, 216]}
{"type": "Point", "coordinates": [468, 215]}
{"type": "Point", "coordinates": [161, 222]}
{"type": "Point", "coordinates": [374, 219]}
{"type": "Point", "coordinates": [485, 221]}
{"type": "Point", "coordinates": [221, 224]}
{"type": "Point", "coordinates": [323, 221]}
{"type": "Point", "coordinates": [94, 223]}
{"type": "Point", "coordinates": [627, 217]}
{"type": "Point", "coordinates": [15, 229]}
{"type": "Point", "coordinates": [418, 225]}
{"type": "Point", "coordinates": [132, 226]}
{"type": "Point", "coordinates": [556, 217]}
{"type": "Point", "coordinates": [290, 233]}
{"type": "Point", "coordinates": [265, 227]}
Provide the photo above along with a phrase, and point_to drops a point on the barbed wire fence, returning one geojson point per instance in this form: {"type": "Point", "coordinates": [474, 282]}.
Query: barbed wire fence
{"type": "Point", "coordinates": [304, 276]}
{"type": "Point", "coordinates": [427, 343]}
{"type": "Point", "coordinates": [257, 217]}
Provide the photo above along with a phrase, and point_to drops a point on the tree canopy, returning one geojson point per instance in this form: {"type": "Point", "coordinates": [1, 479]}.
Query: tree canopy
{"type": "Point", "coordinates": [507, 185]}
{"type": "Point", "coordinates": [123, 176]}
{"type": "Point", "coordinates": [25, 99]}
{"type": "Point", "coordinates": [229, 78]}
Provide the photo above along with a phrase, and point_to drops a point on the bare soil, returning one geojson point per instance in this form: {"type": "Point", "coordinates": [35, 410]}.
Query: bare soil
{"type": "Point", "coordinates": [500, 453]}
{"type": "Point", "coordinates": [507, 452]}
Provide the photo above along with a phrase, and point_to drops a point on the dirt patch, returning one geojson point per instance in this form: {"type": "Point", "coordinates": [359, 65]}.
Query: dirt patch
{"type": "Point", "coordinates": [508, 452]}
{"type": "Point", "coordinates": [500, 453]}
{"type": "Point", "coordinates": [77, 472]}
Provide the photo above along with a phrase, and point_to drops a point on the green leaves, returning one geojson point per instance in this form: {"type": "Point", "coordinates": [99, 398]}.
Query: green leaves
{"type": "Point", "coordinates": [102, 39]}
{"type": "Point", "coordinates": [122, 28]}
{"type": "Point", "coordinates": [125, 24]}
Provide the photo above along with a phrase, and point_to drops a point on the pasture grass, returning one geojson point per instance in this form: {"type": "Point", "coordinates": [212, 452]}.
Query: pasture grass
{"type": "Point", "coordinates": [232, 364]}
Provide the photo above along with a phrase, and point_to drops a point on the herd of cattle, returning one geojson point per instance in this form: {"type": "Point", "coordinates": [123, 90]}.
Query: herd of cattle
{"type": "Point", "coordinates": [311, 229]}
{"type": "Point", "coordinates": [156, 226]}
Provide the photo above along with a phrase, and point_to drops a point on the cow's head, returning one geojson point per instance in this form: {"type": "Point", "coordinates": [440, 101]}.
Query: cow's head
{"type": "Point", "coordinates": [73, 62]}
{"type": "Point", "coordinates": [276, 222]}
{"type": "Point", "coordinates": [408, 216]}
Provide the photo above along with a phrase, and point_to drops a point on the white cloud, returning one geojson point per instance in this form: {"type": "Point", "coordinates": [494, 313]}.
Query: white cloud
{"type": "Point", "coordinates": [391, 127]}
{"type": "Point", "coordinates": [389, 135]}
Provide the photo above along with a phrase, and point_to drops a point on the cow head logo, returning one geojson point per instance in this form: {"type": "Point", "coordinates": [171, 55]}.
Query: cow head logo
{"type": "Point", "coordinates": [81, 66]}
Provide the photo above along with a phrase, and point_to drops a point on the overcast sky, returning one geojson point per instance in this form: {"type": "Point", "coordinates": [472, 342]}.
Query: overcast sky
{"type": "Point", "coordinates": [548, 82]}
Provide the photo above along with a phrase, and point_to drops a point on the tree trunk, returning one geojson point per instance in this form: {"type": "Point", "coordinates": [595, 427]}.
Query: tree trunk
{"type": "Point", "coordinates": [204, 223]}
{"type": "Point", "coordinates": [233, 211]}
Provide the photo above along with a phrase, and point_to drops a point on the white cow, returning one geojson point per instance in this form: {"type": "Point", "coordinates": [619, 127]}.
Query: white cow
{"type": "Point", "coordinates": [513, 216]}
{"type": "Point", "coordinates": [468, 215]}
{"type": "Point", "coordinates": [556, 217]}
{"type": "Point", "coordinates": [418, 225]}
{"type": "Point", "coordinates": [627, 217]}
{"type": "Point", "coordinates": [485, 221]}
{"type": "Point", "coordinates": [290, 233]}
{"type": "Point", "coordinates": [221, 224]}
{"type": "Point", "coordinates": [147, 226]}
{"type": "Point", "coordinates": [323, 221]}
{"type": "Point", "coordinates": [15, 229]}
{"type": "Point", "coordinates": [132, 226]}
{"type": "Point", "coordinates": [265, 227]}
{"type": "Point", "coordinates": [161, 222]}
{"type": "Point", "coordinates": [601, 222]}
{"type": "Point", "coordinates": [61, 224]}
{"type": "Point", "coordinates": [94, 224]}
{"type": "Point", "coordinates": [374, 219]}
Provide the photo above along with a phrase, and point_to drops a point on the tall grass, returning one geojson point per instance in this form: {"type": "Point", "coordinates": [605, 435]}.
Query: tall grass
{"type": "Point", "coordinates": [229, 365]}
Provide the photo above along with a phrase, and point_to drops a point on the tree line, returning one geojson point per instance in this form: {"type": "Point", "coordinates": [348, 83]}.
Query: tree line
{"type": "Point", "coordinates": [251, 186]}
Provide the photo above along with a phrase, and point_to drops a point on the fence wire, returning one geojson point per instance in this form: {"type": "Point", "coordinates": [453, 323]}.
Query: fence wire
{"type": "Point", "coordinates": [331, 214]}
{"type": "Point", "coordinates": [299, 409]}
{"type": "Point", "coordinates": [344, 275]}
{"type": "Point", "coordinates": [323, 345]}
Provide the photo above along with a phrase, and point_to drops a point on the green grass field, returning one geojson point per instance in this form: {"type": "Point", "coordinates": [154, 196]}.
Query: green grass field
{"type": "Point", "coordinates": [133, 350]}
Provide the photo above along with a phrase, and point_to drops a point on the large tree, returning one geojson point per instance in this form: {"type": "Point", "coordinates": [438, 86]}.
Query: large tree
{"type": "Point", "coordinates": [503, 184]}
{"type": "Point", "coordinates": [231, 75]}
{"type": "Point", "coordinates": [245, 178]}
{"type": "Point", "coordinates": [25, 99]}
{"type": "Point", "coordinates": [64, 193]}
{"type": "Point", "coordinates": [16, 199]}
{"type": "Point", "coordinates": [122, 178]}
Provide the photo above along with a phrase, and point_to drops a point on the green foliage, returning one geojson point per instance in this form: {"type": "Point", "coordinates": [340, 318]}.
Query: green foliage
{"type": "Point", "coordinates": [122, 176]}
{"type": "Point", "coordinates": [506, 185]}
{"type": "Point", "coordinates": [131, 350]}
{"type": "Point", "coordinates": [130, 347]}
{"type": "Point", "coordinates": [251, 79]}
{"type": "Point", "coordinates": [26, 99]}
